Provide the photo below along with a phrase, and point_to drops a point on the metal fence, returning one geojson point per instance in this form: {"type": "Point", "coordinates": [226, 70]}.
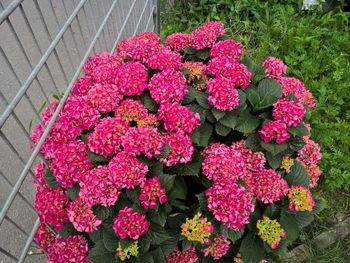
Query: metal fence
{"type": "Point", "coordinates": [43, 46]}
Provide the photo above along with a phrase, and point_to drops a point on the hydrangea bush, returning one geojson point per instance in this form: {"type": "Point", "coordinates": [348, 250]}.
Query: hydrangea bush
{"type": "Point", "coordinates": [183, 152]}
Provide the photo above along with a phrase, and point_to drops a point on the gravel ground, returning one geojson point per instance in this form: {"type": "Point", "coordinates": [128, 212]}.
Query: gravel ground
{"type": "Point", "coordinates": [69, 55]}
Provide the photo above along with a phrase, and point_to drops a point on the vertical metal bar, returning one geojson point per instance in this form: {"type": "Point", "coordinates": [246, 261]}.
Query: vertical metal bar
{"type": "Point", "coordinates": [63, 40]}
{"type": "Point", "coordinates": [157, 14]}
{"type": "Point", "coordinates": [123, 26]}
{"type": "Point", "coordinates": [29, 241]}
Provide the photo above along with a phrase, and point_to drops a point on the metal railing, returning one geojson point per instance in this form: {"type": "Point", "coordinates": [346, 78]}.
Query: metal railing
{"type": "Point", "coordinates": [43, 47]}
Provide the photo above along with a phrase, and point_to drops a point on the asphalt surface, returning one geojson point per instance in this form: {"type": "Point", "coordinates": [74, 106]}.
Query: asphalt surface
{"type": "Point", "coordinates": [23, 52]}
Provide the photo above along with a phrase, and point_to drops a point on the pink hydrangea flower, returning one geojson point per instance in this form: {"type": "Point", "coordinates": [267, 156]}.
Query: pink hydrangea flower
{"type": "Point", "coordinates": [274, 130]}
{"type": "Point", "coordinates": [181, 149]}
{"type": "Point", "coordinates": [314, 172]}
{"type": "Point", "coordinates": [310, 154]}
{"type": "Point", "coordinates": [70, 163]}
{"type": "Point", "coordinates": [39, 173]}
{"type": "Point", "coordinates": [72, 249]}
{"type": "Point", "coordinates": [267, 186]}
{"type": "Point", "coordinates": [219, 248]}
{"type": "Point", "coordinates": [105, 73]}
{"type": "Point", "coordinates": [296, 87]}
{"type": "Point", "coordinates": [178, 118]}
{"type": "Point", "coordinates": [51, 206]}
{"type": "Point", "coordinates": [187, 256]}
{"type": "Point", "coordinates": [229, 68]}
{"type": "Point", "coordinates": [197, 74]}
{"type": "Point", "coordinates": [300, 199]}
{"type": "Point", "coordinates": [206, 35]}
{"type": "Point", "coordinates": [82, 86]}
{"type": "Point", "coordinates": [221, 163]}
{"type": "Point", "coordinates": [274, 67]}
{"type": "Point", "coordinates": [126, 171]}
{"type": "Point", "coordinates": [106, 138]}
{"type": "Point", "coordinates": [44, 236]}
{"type": "Point", "coordinates": [140, 47]}
{"type": "Point", "coordinates": [94, 61]}
{"type": "Point", "coordinates": [143, 140]}
{"type": "Point", "coordinates": [177, 41]}
{"type": "Point", "coordinates": [151, 191]}
{"type": "Point", "coordinates": [168, 86]}
{"type": "Point", "coordinates": [131, 78]}
{"type": "Point", "coordinates": [164, 59]}
{"type": "Point", "coordinates": [131, 110]}
{"type": "Point", "coordinates": [82, 217]}
{"type": "Point", "coordinates": [288, 112]}
{"type": "Point", "coordinates": [222, 94]}
{"type": "Point", "coordinates": [79, 111]}
{"type": "Point", "coordinates": [97, 188]}
{"type": "Point", "coordinates": [252, 161]}
{"type": "Point", "coordinates": [230, 204]}
{"type": "Point", "coordinates": [105, 97]}
{"type": "Point", "coordinates": [228, 48]}
{"type": "Point", "coordinates": [130, 224]}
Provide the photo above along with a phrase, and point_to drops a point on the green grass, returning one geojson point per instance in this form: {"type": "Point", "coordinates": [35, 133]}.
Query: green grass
{"type": "Point", "coordinates": [316, 48]}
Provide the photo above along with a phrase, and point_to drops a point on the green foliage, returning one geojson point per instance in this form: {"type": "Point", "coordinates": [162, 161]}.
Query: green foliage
{"type": "Point", "coordinates": [315, 46]}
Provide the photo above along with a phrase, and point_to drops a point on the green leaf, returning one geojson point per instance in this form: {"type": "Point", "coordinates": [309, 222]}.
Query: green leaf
{"type": "Point", "coordinates": [144, 243]}
{"type": "Point", "coordinates": [242, 99]}
{"type": "Point", "coordinates": [202, 99]}
{"type": "Point", "coordinates": [158, 255]}
{"type": "Point", "coordinates": [166, 181]}
{"type": "Point", "coordinates": [97, 159]}
{"type": "Point", "coordinates": [190, 50]}
{"type": "Point", "coordinates": [157, 217]}
{"type": "Point", "coordinates": [191, 168]}
{"type": "Point", "coordinates": [301, 219]}
{"type": "Point", "coordinates": [252, 249]}
{"type": "Point", "coordinates": [157, 169]}
{"type": "Point", "coordinates": [179, 204]}
{"type": "Point", "coordinates": [110, 239]}
{"type": "Point", "coordinates": [73, 192]}
{"type": "Point", "coordinates": [145, 160]}
{"type": "Point", "coordinates": [253, 142]}
{"type": "Point", "coordinates": [201, 136]}
{"type": "Point", "coordinates": [169, 245]}
{"type": "Point", "coordinates": [247, 122]}
{"type": "Point", "coordinates": [126, 242]}
{"type": "Point", "coordinates": [298, 175]}
{"type": "Point", "coordinates": [272, 211]}
{"type": "Point", "coordinates": [203, 54]}
{"type": "Point", "coordinates": [149, 103]}
{"type": "Point", "coordinates": [221, 129]}
{"type": "Point", "coordinates": [103, 212]}
{"type": "Point", "coordinates": [230, 233]}
{"type": "Point", "coordinates": [269, 91]}
{"type": "Point", "coordinates": [274, 148]}
{"type": "Point", "coordinates": [218, 114]}
{"type": "Point", "coordinates": [290, 226]}
{"type": "Point", "coordinates": [253, 219]}
{"type": "Point", "coordinates": [190, 96]}
{"type": "Point", "coordinates": [96, 235]}
{"type": "Point", "coordinates": [176, 220]}
{"type": "Point", "coordinates": [203, 202]}
{"type": "Point", "coordinates": [145, 258]}
{"type": "Point", "coordinates": [179, 190]}
{"type": "Point", "coordinates": [274, 160]}
{"type": "Point", "coordinates": [68, 230]}
{"type": "Point", "coordinates": [99, 254]}
{"type": "Point", "coordinates": [186, 244]}
{"type": "Point", "coordinates": [296, 143]}
{"type": "Point", "coordinates": [230, 119]}
{"type": "Point", "coordinates": [210, 117]}
{"type": "Point", "coordinates": [249, 63]}
{"type": "Point", "coordinates": [320, 204]}
{"type": "Point", "coordinates": [299, 130]}
{"type": "Point", "coordinates": [165, 151]}
{"type": "Point", "coordinates": [199, 109]}
{"type": "Point", "coordinates": [157, 234]}
{"type": "Point", "coordinates": [50, 179]}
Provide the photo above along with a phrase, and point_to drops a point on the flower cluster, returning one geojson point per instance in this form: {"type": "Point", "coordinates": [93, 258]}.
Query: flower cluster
{"type": "Point", "coordinates": [178, 118]}
{"type": "Point", "coordinates": [205, 36]}
{"type": "Point", "coordinates": [270, 231]}
{"type": "Point", "coordinates": [44, 236]}
{"type": "Point", "coordinates": [82, 217]}
{"type": "Point", "coordinates": [130, 224]}
{"type": "Point", "coordinates": [178, 41]}
{"type": "Point", "coordinates": [274, 67]}
{"type": "Point", "coordinates": [131, 78]}
{"type": "Point", "coordinates": [300, 199]}
{"type": "Point", "coordinates": [164, 59]}
{"type": "Point", "coordinates": [197, 229]}
{"type": "Point", "coordinates": [218, 248]}
{"type": "Point", "coordinates": [187, 256]}
{"type": "Point", "coordinates": [151, 191]}
{"type": "Point", "coordinates": [230, 204]}
{"type": "Point", "coordinates": [229, 48]}
{"type": "Point", "coordinates": [70, 250]}
{"type": "Point", "coordinates": [289, 112]}
{"type": "Point", "coordinates": [267, 186]}
{"type": "Point", "coordinates": [196, 74]}
{"type": "Point", "coordinates": [274, 130]}
{"type": "Point", "coordinates": [105, 98]}
{"type": "Point", "coordinates": [129, 251]}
